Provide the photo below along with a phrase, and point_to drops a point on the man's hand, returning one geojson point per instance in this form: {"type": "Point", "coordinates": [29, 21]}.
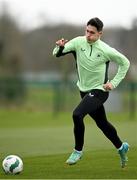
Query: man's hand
{"type": "Point", "coordinates": [108, 86]}
{"type": "Point", "coordinates": [61, 42]}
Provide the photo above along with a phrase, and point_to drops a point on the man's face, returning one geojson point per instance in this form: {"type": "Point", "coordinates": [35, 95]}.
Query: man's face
{"type": "Point", "coordinates": [92, 34]}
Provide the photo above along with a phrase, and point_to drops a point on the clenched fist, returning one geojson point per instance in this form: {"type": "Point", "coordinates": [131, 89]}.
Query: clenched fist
{"type": "Point", "coordinates": [61, 42]}
{"type": "Point", "coordinates": [108, 86]}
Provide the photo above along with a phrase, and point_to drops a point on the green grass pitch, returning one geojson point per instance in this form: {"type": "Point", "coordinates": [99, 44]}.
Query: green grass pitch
{"type": "Point", "coordinates": [44, 142]}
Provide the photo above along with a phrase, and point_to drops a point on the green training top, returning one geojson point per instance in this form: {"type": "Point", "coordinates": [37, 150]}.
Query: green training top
{"type": "Point", "coordinates": [92, 61]}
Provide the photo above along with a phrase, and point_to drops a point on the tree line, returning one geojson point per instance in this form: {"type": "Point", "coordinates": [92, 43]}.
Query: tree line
{"type": "Point", "coordinates": [31, 51]}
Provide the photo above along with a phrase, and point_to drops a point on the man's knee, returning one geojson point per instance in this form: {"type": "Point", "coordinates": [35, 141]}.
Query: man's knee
{"type": "Point", "coordinates": [77, 115]}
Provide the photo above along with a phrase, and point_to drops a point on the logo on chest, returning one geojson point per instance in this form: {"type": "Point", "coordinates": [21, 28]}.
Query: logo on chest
{"type": "Point", "coordinates": [98, 55]}
{"type": "Point", "coordinates": [82, 49]}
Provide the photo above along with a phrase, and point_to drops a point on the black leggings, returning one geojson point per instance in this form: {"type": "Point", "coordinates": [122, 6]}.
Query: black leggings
{"type": "Point", "coordinates": [92, 104]}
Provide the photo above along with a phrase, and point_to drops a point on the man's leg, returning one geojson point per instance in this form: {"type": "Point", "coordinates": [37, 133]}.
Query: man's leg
{"type": "Point", "coordinates": [110, 132]}
{"type": "Point", "coordinates": [89, 103]}
{"type": "Point", "coordinates": [107, 128]}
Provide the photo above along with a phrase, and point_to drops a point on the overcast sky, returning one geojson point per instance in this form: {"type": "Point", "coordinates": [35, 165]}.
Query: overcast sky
{"type": "Point", "coordinates": [32, 13]}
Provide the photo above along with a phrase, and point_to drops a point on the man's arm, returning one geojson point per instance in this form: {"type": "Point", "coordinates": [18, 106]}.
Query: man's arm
{"type": "Point", "coordinates": [64, 47]}
{"type": "Point", "coordinates": [123, 66]}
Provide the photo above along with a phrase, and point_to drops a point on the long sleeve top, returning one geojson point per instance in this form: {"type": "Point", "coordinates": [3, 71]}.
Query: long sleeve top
{"type": "Point", "coordinates": [92, 61]}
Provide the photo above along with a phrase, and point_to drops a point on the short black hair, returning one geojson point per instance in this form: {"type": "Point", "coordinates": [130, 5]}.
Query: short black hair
{"type": "Point", "coordinates": [96, 22]}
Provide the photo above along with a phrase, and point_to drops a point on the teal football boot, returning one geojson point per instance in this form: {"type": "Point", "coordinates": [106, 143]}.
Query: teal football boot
{"type": "Point", "coordinates": [74, 157]}
{"type": "Point", "coordinates": [123, 154]}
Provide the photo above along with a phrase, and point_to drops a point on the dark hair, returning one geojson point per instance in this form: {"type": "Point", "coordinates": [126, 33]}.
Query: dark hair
{"type": "Point", "coordinates": [96, 22]}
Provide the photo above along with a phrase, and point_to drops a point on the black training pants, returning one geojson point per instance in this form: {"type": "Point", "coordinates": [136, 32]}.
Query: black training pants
{"type": "Point", "coordinates": [92, 104]}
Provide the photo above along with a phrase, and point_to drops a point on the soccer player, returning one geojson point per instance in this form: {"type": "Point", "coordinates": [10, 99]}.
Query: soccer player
{"type": "Point", "coordinates": [92, 57]}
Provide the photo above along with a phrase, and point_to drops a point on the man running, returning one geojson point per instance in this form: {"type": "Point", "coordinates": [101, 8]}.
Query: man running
{"type": "Point", "coordinates": [92, 57]}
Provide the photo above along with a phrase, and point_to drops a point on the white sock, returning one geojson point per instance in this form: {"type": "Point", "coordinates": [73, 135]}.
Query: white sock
{"type": "Point", "coordinates": [77, 151]}
{"type": "Point", "coordinates": [121, 147]}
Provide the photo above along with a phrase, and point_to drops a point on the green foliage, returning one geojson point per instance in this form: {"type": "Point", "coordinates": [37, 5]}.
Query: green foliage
{"type": "Point", "coordinates": [11, 85]}
{"type": "Point", "coordinates": [11, 89]}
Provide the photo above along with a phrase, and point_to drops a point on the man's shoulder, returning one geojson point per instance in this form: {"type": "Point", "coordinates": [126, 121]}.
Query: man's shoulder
{"type": "Point", "coordinates": [104, 47]}
{"type": "Point", "coordinates": [79, 38]}
{"type": "Point", "coordinates": [104, 44]}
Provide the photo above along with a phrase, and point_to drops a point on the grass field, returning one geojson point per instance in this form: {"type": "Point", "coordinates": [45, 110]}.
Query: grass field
{"type": "Point", "coordinates": [44, 142]}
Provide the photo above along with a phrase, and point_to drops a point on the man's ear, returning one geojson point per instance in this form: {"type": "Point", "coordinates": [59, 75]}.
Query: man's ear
{"type": "Point", "coordinates": [100, 33]}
